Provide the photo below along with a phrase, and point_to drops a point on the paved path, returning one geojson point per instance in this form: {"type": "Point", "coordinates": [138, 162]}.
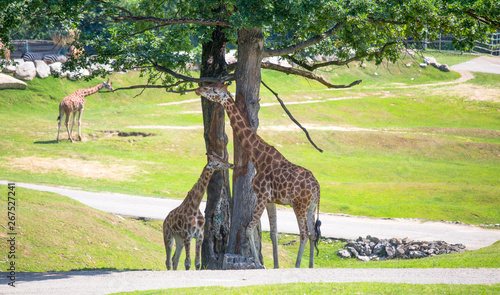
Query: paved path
{"type": "Point", "coordinates": [105, 282]}
{"type": "Point", "coordinates": [333, 225]}
{"type": "Point", "coordinates": [484, 64]}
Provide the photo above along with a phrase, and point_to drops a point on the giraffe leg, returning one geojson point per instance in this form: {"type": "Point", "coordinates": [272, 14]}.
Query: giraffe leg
{"type": "Point", "coordinates": [187, 245]}
{"type": "Point", "coordinates": [178, 250]}
{"type": "Point", "coordinates": [262, 190]}
{"type": "Point", "coordinates": [72, 125]}
{"type": "Point", "coordinates": [168, 240]}
{"type": "Point", "coordinates": [61, 115]}
{"type": "Point", "coordinates": [271, 212]}
{"type": "Point", "coordinates": [80, 124]}
{"type": "Point", "coordinates": [302, 222]}
{"type": "Point", "coordinates": [312, 232]}
{"type": "Point", "coordinates": [199, 242]}
{"type": "Point", "coordinates": [66, 123]}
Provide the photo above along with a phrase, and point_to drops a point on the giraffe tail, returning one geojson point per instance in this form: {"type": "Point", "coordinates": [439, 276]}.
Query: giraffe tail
{"type": "Point", "coordinates": [317, 229]}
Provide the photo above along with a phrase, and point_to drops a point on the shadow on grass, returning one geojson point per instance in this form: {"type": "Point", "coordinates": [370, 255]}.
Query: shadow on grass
{"type": "Point", "coordinates": [58, 275]}
{"type": "Point", "coordinates": [46, 142]}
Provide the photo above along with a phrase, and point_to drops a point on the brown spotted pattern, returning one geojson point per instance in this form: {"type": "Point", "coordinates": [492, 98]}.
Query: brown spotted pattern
{"type": "Point", "coordinates": [186, 222]}
{"type": "Point", "coordinates": [277, 181]}
{"type": "Point", "coordinates": [75, 102]}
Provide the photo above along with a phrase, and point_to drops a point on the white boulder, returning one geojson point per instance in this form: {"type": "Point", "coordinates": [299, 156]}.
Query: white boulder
{"type": "Point", "coordinates": [26, 71]}
{"type": "Point", "coordinates": [42, 69]}
{"type": "Point", "coordinates": [9, 82]}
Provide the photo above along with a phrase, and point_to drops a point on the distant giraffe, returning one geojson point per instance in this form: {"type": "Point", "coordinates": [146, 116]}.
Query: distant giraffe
{"type": "Point", "coordinates": [277, 181]}
{"type": "Point", "coordinates": [186, 221]}
{"type": "Point", "coordinates": [75, 102]}
{"type": "Point", "coordinates": [6, 52]}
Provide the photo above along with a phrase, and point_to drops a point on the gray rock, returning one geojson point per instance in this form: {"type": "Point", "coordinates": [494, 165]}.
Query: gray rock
{"type": "Point", "coordinates": [8, 69]}
{"type": "Point", "coordinates": [416, 254]}
{"type": "Point", "coordinates": [429, 60]}
{"type": "Point", "coordinates": [395, 241]}
{"type": "Point", "coordinates": [390, 250]}
{"type": "Point", "coordinates": [9, 82]}
{"type": "Point", "coordinates": [353, 251]}
{"type": "Point", "coordinates": [363, 258]}
{"type": "Point", "coordinates": [343, 253]}
{"type": "Point", "coordinates": [78, 74]}
{"type": "Point", "coordinates": [379, 249]}
{"type": "Point", "coordinates": [26, 71]}
{"type": "Point", "coordinates": [423, 65]}
{"type": "Point", "coordinates": [444, 68]}
{"type": "Point", "coordinates": [234, 261]}
{"type": "Point", "coordinates": [42, 69]}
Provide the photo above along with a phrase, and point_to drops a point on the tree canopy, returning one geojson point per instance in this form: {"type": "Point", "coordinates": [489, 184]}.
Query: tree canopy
{"type": "Point", "coordinates": [162, 36]}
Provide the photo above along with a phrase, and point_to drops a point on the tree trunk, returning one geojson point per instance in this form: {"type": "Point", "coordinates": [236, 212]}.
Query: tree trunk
{"type": "Point", "coordinates": [250, 52]}
{"type": "Point", "coordinates": [217, 212]}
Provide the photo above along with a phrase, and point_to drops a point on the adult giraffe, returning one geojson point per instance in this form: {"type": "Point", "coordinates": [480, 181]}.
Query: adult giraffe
{"type": "Point", "coordinates": [278, 181]}
{"type": "Point", "coordinates": [75, 102]}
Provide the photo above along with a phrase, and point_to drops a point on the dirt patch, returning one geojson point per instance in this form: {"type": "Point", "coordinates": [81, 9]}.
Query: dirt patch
{"type": "Point", "coordinates": [476, 92]}
{"type": "Point", "coordinates": [76, 167]}
{"type": "Point", "coordinates": [111, 133]}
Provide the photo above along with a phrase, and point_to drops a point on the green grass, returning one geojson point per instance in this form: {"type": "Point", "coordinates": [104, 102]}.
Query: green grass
{"type": "Point", "coordinates": [333, 288]}
{"type": "Point", "coordinates": [431, 152]}
{"type": "Point", "coordinates": [56, 233]}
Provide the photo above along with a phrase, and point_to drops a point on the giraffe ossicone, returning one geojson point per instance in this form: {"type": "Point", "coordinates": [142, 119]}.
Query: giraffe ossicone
{"type": "Point", "coordinates": [75, 102]}
{"type": "Point", "coordinates": [277, 181]}
{"type": "Point", "coordinates": [186, 222]}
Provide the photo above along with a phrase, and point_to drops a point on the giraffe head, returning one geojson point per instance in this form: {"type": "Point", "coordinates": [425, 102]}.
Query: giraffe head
{"type": "Point", "coordinates": [107, 85]}
{"type": "Point", "coordinates": [216, 163]}
{"type": "Point", "coordinates": [216, 92]}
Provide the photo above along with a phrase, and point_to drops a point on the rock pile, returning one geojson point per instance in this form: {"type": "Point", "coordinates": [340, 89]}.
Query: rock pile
{"type": "Point", "coordinates": [372, 248]}
{"type": "Point", "coordinates": [428, 60]}
{"type": "Point", "coordinates": [235, 261]}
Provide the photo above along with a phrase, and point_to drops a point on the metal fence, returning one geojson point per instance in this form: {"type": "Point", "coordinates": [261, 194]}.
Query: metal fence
{"type": "Point", "coordinates": [42, 46]}
{"type": "Point", "coordinates": [445, 43]}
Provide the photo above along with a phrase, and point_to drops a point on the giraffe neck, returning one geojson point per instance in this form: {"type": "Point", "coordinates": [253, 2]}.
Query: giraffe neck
{"type": "Point", "coordinates": [195, 195]}
{"type": "Point", "coordinates": [253, 145]}
{"type": "Point", "coordinates": [92, 90]}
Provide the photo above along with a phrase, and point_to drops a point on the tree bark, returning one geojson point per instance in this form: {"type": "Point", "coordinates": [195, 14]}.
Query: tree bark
{"type": "Point", "coordinates": [248, 77]}
{"type": "Point", "coordinates": [217, 212]}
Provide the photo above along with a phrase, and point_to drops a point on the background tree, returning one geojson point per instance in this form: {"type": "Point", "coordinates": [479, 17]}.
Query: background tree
{"type": "Point", "coordinates": [161, 37]}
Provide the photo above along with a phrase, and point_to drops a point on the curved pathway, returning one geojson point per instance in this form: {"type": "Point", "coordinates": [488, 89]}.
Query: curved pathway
{"type": "Point", "coordinates": [333, 225]}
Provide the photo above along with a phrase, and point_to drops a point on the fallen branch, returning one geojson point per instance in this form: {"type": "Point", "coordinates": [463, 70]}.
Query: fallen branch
{"type": "Point", "coordinates": [291, 116]}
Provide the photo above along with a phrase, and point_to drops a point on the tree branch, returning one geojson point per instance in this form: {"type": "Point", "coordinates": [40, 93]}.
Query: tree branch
{"type": "Point", "coordinates": [484, 19]}
{"type": "Point", "coordinates": [171, 21]}
{"type": "Point", "coordinates": [291, 116]}
{"type": "Point", "coordinates": [296, 47]}
{"type": "Point", "coordinates": [191, 79]}
{"type": "Point", "coordinates": [309, 75]}
{"type": "Point", "coordinates": [337, 62]}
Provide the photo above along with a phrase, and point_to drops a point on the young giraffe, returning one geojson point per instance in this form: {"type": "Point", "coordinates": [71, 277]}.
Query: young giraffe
{"type": "Point", "coordinates": [186, 221]}
{"type": "Point", "coordinates": [75, 102]}
{"type": "Point", "coordinates": [277, 180]}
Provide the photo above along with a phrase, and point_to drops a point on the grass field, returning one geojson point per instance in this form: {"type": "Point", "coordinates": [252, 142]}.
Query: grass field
{"type": "Point", "coordinates": [333, 288]}
{"type": "Point", "coordinates": [391, 150]}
